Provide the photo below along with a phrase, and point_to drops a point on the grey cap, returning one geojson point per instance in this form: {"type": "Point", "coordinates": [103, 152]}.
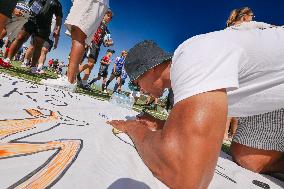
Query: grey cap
{"type": "Point", "coordinates": [143, 57]}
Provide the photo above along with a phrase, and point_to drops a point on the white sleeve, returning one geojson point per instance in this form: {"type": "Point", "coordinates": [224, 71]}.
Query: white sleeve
{"type": "Point", "coordinates": [261, 25]}
{"type": "Point", "coordinates": [200, 66]}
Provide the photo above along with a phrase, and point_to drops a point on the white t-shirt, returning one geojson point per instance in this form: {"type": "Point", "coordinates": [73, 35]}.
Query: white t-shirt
{"type": "Point", "coordinates": [251, 25]}
{"type": "Point", "coordinates": [106, 2]}
{"type": "Point", "coordinates": [248, 63]}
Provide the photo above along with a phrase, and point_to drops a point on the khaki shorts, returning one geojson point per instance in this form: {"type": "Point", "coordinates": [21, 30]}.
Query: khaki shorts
{"type": "Point", "coordinates": [86, 15]}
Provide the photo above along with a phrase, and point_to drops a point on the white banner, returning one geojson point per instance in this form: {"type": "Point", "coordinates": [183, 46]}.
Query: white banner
{"type": "Point", "coordinates": [49, 137]}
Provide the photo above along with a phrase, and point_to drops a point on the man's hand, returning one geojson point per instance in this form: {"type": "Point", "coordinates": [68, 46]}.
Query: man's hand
{"type": "Point", "coordinates": [18, 13]}
{"type": "Point", "coordinates": [153, 123]}
{"type": "Point", "coordinates": [56, 34]}
{"type": "Point", "coordinates": [125, 126]}
{"type": "Point", "coordinates": [55, 46]}
{"type": "Point", "coordinates": [56, 39]}
{"type": "Point", "coordinates": [188, 144]}
{"type": "Point", "coordinates": [108, 43]}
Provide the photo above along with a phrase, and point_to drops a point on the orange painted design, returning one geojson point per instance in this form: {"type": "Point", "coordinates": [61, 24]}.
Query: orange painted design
{"type": "Point", "coordinates": [68, 149]}
{"type": "Point", "coordinates": [3, 153]}
{"type": "Point", "coordinates": [9, 127]}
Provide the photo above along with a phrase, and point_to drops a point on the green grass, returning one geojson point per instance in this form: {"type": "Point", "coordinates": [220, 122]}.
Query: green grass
{"type": "Point", "coordinates": [24, 73]}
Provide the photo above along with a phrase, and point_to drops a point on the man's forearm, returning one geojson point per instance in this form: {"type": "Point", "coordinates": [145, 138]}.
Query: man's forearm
{"type": "Point", "coordinates": [153, 150]}
{"type": "Point", "coordinates": [58, 25]}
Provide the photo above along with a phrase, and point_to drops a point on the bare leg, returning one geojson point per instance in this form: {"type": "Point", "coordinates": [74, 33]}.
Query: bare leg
{"type": "Point", "coordinates": [95, 80]}
{"type": "Point", "coordinates": [22, 37]}
{"type": "Point", "coordinates": [119, 85]}
{"type": "Point", "coordinates": [29, 53]}
{"type": "Point", "coordinates": [88, 69]}
{"type": "Point", "coordinates": [110, 80]}
{"type": "Point", "coordinates": [104, 83]}
{"type": "Point", "coordinates": [228, 123]}
{"type": "Point", "coordinates": [38, 43]}
{"type": "Point", "coordinates": [259, 161]}
{"type": "Point", "coordinates": [234, 126]}
{"type": "Point", "coordinates": [3, 21]}
{"type": "Point", "coordinates": [3, 33]}
{"type": "Point", "coordinates": [77, 52]}
{"type": "Point", "coordinates": [7, 44]}
{"type": "Point", "coordinates": [42, 57]}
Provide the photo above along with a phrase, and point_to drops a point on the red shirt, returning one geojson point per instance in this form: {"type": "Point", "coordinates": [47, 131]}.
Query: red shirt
{"type": "Point", "coordinates": [50, 62]}
{"type": "Point", "coordinates": [106, 59]}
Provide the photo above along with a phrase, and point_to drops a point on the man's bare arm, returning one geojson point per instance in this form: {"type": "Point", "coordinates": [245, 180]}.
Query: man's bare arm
{"type": "Point", "coordinates": [184, 153]}
{"type": "Point", "coordinates": [154, 124]}
{"type": "Point", "coordinates": [56, 32]}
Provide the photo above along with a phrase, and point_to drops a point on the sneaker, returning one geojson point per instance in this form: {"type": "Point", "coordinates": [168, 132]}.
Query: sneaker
{"type": "Point", "coordinates": [40, 72]}
{"type": "Point", "coordinates": [86, 87]}
{"type": "Point", "coordinates": [5, 64]}
{"type": "Point", "coordinates": [60, 83]}
{"type": "Point", "coordinates": [34, 70]}
{"type": "Point", "coordinates": [105, 91]}
{"type": "Point", "coordinates": [24, 65]}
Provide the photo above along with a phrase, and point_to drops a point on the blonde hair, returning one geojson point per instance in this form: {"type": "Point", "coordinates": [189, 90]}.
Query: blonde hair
{"type": "Point", "coordinates": [237, 15]}
{"type": "Point", "coordinates": [123, 52]}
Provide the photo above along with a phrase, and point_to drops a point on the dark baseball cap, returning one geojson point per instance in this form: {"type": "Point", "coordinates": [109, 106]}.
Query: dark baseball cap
{"type": "Point", "coordinates": [143, 57]}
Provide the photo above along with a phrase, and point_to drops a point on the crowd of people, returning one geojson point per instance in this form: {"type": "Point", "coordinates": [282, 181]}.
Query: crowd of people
{"type": "Point", "coordinates": [53, 19]}
{"type": "Point", "coordinates": [42, 25]}
{"type": "Point", "coordinates": [227, 89]}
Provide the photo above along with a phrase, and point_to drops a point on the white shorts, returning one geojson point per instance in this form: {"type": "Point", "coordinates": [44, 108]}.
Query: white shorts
{"type": "Point", "coordinates": [86, 15]}
{"type": "Point", "coordinates": [14, 27]}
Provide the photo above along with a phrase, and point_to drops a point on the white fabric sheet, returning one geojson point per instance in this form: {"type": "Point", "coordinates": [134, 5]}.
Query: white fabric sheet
{"type": "Point", "coordinates": [50, 137]}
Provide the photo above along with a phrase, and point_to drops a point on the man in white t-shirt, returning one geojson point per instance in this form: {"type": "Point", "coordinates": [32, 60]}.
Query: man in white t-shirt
{"type": "Point", "coordinates": [239, 72]}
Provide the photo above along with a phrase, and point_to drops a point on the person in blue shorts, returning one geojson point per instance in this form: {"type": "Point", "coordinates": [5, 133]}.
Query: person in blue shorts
{"type": "Point", "coordinates": [117, 69]}
{"type": "Point", "coordinates": [123, 78]}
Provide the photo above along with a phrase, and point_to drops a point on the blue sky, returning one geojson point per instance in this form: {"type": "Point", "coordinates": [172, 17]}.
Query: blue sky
{"type": "Point", "coordinates": [169, 22]}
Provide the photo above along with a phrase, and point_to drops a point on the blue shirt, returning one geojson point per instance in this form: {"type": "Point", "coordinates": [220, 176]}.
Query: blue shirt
{"type": "Point", "coordinates": [119, 62]}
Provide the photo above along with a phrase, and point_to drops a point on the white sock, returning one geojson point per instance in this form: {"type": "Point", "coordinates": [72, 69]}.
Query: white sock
{"type": "Point", "coordinates": [26, 61]}
{"type": "Point", "coordinates": [39, 67]}
{"type": "Point", "coordinates": [7, 60]}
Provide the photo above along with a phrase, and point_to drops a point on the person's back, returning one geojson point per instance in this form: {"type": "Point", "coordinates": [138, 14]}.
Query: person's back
{"type": "Point", "coordinates": [252, 59]}
{"type": "Point", "coordinates": [47, 9]}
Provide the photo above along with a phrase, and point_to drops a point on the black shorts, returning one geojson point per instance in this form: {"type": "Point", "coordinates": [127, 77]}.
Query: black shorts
{"type": "Point", "coordinates": [47, 44]}
{"type": "Point", "coordinates": [94, 52]}
{"type": "Point", "coordinates": [122, 81]}
{"type": "Point", "coordinates": [117, 74]}
{"type": "Point", "coordinates": [103, 71]}
{"type": "Point", "coordinates": [34, 29]}
{"type": "Point", "coordinates": [7, 7]}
